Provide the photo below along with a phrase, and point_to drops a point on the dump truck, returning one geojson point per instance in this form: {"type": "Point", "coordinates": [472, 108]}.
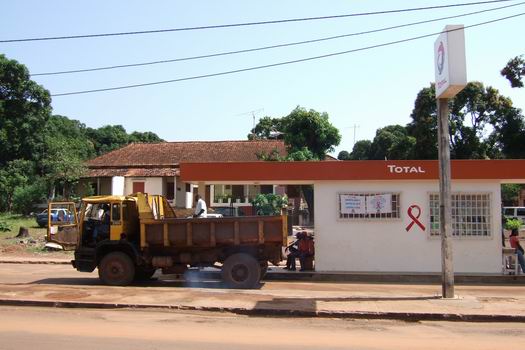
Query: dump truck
{"type": "Point", "coordinates": [129, 238]}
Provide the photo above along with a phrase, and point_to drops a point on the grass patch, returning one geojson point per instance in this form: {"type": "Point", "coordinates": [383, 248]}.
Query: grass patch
{"type": "Point", "coordinates": [15, 221]}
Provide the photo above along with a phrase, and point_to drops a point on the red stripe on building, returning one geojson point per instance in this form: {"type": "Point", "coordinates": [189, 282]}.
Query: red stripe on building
{"type": "Point", "coordinates": [351, 170]}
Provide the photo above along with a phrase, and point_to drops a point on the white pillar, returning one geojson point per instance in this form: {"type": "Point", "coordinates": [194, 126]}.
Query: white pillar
{"type": "Point", "coordinates": [117, 185]}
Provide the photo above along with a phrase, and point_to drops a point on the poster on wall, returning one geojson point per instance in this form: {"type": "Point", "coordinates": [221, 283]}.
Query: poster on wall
{"type": "Point", "coordinates": [379, 204]}
{"type": "Point", "coordinates": [353, 204]}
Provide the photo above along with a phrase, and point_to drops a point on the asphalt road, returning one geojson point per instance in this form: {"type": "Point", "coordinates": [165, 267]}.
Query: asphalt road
{"type": "Point", "coordinates": [51, 329]}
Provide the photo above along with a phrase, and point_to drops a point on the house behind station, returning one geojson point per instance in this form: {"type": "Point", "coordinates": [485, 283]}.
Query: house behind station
{"type": "Point", "coordinates": [155, 168]}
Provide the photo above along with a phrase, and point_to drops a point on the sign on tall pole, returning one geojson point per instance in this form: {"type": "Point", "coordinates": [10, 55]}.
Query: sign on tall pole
{"type": "Point", "coordinates": [451, 78]}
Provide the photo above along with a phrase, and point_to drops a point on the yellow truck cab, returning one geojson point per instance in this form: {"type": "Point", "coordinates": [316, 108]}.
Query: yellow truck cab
{"type": "Point", "coordinates": [129, 238]}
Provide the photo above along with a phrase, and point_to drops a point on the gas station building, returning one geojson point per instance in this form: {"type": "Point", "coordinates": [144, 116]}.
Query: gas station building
{"type": "Point", "coordinates": [383, 216]}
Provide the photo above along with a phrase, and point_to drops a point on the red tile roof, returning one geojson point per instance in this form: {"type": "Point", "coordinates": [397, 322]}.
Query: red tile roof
{"type": "Point", "coordinates": [134, 172]}
{"type": "Point", "coordinates": [172, 153]}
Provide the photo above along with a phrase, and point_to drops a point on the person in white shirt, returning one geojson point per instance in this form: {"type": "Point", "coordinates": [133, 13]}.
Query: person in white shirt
{"type": "Point", "coordinates": [200, 207]}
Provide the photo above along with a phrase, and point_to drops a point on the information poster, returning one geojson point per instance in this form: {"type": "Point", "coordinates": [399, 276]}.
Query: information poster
{"type": "Point", "coordinates": [353, 204]}
{"type": "Point", "coordinates": [379, 204]}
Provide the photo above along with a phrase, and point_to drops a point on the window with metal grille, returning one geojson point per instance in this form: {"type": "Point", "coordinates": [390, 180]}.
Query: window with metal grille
{"type": "Point", "coordinates": [368, 205]}
{"type": "Point", "coordinates": [470, 215]}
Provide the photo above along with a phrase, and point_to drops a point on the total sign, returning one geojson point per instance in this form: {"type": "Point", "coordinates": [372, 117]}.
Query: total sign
{"type": "Point", "coordinates": [450, 62]}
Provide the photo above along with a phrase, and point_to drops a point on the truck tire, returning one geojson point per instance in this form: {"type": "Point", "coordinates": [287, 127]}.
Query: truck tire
{"type": "Point", "coordinates": [143, 273]}
{"type": "Point", "coordinates": [241, 271]}
{"type": "Point", "coordinates": [116, 269]}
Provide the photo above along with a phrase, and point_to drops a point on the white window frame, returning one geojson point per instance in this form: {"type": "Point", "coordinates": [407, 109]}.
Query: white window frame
{"type": "Point", "coordinates": [463, 229]}
{"type": "Point", "coordinates": [396, 206]}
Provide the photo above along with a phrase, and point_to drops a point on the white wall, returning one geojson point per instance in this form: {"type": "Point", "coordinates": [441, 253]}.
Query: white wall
{"type": "Point", "coordinates": [152, 185]}
{"type": "Point", "coordinates": [385, 245]}
{"type": "Point", "coordinates": [183, 199]}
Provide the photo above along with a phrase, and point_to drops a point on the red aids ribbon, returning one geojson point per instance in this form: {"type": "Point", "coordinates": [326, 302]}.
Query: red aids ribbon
{"type": "Point", "coordinates": [414, 218]}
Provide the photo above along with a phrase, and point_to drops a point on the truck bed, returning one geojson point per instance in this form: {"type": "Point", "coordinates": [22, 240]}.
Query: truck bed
{"type": "Point", "coordinates": [213, 232]}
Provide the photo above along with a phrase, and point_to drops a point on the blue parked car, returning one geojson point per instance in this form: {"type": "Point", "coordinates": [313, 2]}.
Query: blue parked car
{"type": "Point", "coordinates": [57, 215]}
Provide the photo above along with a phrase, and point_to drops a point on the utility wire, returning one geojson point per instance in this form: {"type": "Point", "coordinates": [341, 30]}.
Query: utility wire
{"type": "Point", "coordinates": [268, 47]}
{"type": "Point", "coordinates": [282, 63]}
{"type": "Point", "coordinates": [250, 23]}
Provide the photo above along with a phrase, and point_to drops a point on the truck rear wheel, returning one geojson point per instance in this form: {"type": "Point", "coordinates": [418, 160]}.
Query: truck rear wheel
{"type": "Point", "coordinates": [241, 271]}
{"type": "Point", "coordinates": [116, 269]}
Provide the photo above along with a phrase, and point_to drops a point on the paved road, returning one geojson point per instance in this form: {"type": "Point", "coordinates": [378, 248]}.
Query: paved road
{"type": "Point", "coordinates": [66, 275]}
{"type": "Point", "coordinates": [51, 329]}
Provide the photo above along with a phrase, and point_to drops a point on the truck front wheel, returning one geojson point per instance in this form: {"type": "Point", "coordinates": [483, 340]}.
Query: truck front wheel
{"type": "Point", "coordinates": [116, 269]}
{"type": "Point", "coordinates": [241, 271]}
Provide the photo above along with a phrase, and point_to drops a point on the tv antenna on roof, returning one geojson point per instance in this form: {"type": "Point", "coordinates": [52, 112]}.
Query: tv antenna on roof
{"type": "Point", "coordinates": [355, 127]}
{"type": "Point", "coordinates": [252, 113]}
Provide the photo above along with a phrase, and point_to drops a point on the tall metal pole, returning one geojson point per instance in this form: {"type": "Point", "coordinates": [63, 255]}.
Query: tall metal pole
{"type": "Point", "coordinates": [445, 201]}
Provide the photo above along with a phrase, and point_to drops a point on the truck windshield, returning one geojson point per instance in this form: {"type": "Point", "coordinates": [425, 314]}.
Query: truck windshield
{"type": "Point", "coordinates": [94, 211]}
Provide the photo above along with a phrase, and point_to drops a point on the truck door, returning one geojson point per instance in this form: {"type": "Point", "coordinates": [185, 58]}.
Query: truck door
{"type": "Point", "coordinates": [62, 224]}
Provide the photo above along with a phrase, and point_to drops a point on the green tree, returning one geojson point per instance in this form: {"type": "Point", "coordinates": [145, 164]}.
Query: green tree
{"type": "Point", "coordinates": [16, 174]}
{"type": "Point", "coordinates": [111, 137]}
{"type": "Point", "coordinates": [108, 138]}
{"type": "Point", "coordinates": [361, 150]}
{"type": "Point", "coordinates": [509, 194]}
{"type": "Point", "coordinates": [423, 126]}
{"type": "Point", "coordinates": [473, 112]}
{"type": "Point", "coordinates": [344, 155]}
{"type": "Point", "coordinates": [508, 136]}
{"type": "Point", "coordinates": [67, 148]}
{"type": "Point", "coordinates": [269, 204]}
{"type": "Point", "coordinates": [63, 166]}
{"type": "Point", "coordinates": [75, 132]}
{"type": "Point", "coordinates": [144, 137]}
{"type": "Point", "coordinates": [514, 71]}
{"type": "Point", "coordinates": [24, 111]}
{"type": "Point", "coordinates": [310, 129]}
{"type": "Point", "coordinates": [392, 142]}
{"type": "Point", "coordinates": [25, 198]}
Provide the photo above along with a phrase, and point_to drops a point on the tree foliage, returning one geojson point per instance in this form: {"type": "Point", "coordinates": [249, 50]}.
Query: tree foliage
{"type": "Point", "coordinates": [392, 142]}
{"type": "Point", "coordinates": [307, 134]}
{"type": "Point", "coordinates": [310, 129]}
{"type": "Point", "coordinates": [25, 108]}
{"type": "Point", "coordinates": [423, 126]}
{"type": "Point", "coordinates": [510, 193]}
{"type": "Point", "coordinates": [514, 71]}
{"type": "Point", "coordinates": [344, 155]}
{"type": "Point", "coordinates": [361, 150]}
{"type": "Point", "coordinates": [269, 204]}
{"type": "Point", "coordinates": [15, 174]}
{"type": "Point", "coordinates": [144, 137]}
{"type": "Point", "coordinates": [483, 124]}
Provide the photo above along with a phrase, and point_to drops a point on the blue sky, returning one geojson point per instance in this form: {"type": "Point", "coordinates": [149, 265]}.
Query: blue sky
{"type": "Point", "coordinates": [371, 89]}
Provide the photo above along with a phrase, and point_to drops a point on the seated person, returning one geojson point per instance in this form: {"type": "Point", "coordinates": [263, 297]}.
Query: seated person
{"type": "Point", "coordinates": [293, 253]}
{"type": "Point", "coordinates": [306, 251]}
{"type": "Point", "coordinates": [101, 230]}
